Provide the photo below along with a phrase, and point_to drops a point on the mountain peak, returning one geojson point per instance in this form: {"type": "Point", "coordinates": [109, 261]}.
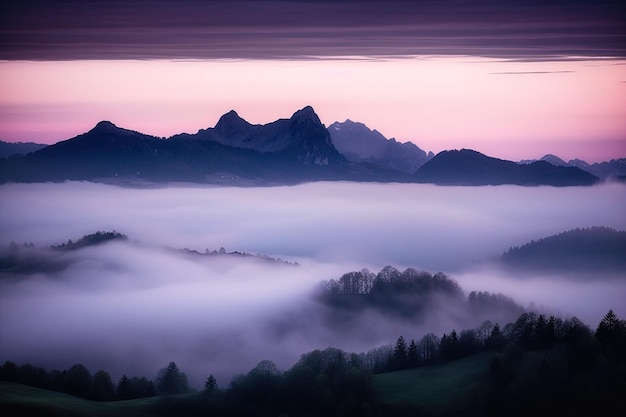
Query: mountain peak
{"type": "Point", "coordinates": [306, 114]}
{"type": "Point", "coordinates": [104, 125]}
{"type": "Point", "coordinates": [554, 160]}
{"type": "Point", "coordinates": [231, 123]}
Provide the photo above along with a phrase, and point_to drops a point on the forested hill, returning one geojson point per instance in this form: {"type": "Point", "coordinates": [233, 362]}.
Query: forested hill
{"type": "Point", "coordinates": [412, 295]}
{"type": "Point", "coordinates": [594, 249]}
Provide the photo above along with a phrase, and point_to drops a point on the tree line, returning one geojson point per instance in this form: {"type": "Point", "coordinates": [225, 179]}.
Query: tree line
{"type": "Point", "coordinates": [540, 364]}
{"type": "Point", "coordinates": [78, 381]}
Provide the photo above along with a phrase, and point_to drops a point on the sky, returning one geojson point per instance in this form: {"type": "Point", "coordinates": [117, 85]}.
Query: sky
{"type": "Point", "coordinates": [511, 79]}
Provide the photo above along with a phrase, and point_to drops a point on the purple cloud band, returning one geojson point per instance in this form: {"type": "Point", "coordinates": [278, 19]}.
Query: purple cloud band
{"type": "Point", "coordinates": [70, 29]}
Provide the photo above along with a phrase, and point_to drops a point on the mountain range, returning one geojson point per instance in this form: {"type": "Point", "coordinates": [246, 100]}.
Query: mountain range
{"type": "Point", "coordinates": [286, 151]}
{"type": "Point", "coordinates": [17, 149]}
{"type": "Point", "coordinates": [615, 168]}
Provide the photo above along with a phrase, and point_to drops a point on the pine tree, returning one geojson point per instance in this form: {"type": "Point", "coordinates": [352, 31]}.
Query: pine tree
{"type": "Point", "coordinates": [124, 389]}
{"type": "Point", "coordinates": [400, 353]}
{"type": "Point", "coordinates": [412, 354]}
{"type": "Point", "coordinates": [211, 384]}
{"type": "Point", "coordinates": [170, 380]}
{"type": "Point", "coordinates": [609, 328]}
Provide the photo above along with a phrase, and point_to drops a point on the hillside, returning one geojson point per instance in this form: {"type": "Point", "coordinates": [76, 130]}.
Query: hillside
{"type": "Point", "coordinates": [434, 389]}
{"type": "Point", "coordinates": [587, 250]}
{"type": "Point", "coordinates": [18, 400]}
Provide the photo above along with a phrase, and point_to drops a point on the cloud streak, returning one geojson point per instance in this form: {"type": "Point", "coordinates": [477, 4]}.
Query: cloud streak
{"type": "Point", "coordinates": [530, 72]}
{"type": "Point", "coordinates": [39, 30]}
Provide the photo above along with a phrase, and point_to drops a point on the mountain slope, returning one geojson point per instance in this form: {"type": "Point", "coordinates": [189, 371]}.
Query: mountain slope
{"type": "Point", "coordinates": [360, 144]}
{"type": "Point", "coordinates": [468, 167]}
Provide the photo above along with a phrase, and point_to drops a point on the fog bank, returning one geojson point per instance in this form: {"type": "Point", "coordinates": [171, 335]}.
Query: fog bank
{"type": "Point", "coordinates": [131, 307]}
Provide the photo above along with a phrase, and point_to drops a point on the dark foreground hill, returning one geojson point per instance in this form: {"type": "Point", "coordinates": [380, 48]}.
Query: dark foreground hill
{"type": "Point", "coordinates": [468, 167]}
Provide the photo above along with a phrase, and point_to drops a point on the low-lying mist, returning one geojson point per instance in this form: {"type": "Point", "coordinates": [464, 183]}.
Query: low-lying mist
{"type": "Point", "coordinates": [131, 307]}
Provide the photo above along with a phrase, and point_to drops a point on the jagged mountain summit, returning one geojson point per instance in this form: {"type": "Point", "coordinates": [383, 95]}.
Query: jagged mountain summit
{"type": "Point", "coordinates": [302, 138]}
{"type": "Point", "coordinates": [285, 151]}
{"type": "Point", "coordinates": [468, 167]}
{"type": "Point", "coordinates": [361, 144]}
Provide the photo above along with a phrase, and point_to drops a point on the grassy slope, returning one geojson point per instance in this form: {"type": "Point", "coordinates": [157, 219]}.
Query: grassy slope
{"type": "Point", "coordinates": [436, 388]}
{"type": "Point", "coordinates": [20, 400]}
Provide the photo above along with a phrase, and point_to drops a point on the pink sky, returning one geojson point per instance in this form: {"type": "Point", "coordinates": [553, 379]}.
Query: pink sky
{"type": "Point", "coordinates": [574, 108]}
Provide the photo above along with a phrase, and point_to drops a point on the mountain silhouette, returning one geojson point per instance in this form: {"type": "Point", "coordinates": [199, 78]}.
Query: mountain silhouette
{"type": "Point", "coordinates": [613, 169]}
{"type": "Point", "coordinates": [286, 151]}
{"type": "Point", "coordinates": [301, 138]}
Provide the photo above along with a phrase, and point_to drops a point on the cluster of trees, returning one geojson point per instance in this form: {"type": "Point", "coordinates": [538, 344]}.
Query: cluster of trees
{"type": "Point", "coordinates": [328, 382]}
{"type": "Point", "coordinates": [222, 252]}
{"type": "Point", "coordinates": [558, 368]}
{"type": "Point", "coordinates": [410, 293]}
{"type": "Point", "coordinates": [391, 280]}
{"type": "Point", "coordinates": [90, 240]}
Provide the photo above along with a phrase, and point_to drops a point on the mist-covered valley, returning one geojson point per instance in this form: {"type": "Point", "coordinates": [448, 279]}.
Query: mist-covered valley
{"type": "Point", "coordinates": [130, 306]}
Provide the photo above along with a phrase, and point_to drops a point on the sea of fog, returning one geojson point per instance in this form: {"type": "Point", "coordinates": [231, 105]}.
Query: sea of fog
{"type": "Point", "coordinates": [131, 307]}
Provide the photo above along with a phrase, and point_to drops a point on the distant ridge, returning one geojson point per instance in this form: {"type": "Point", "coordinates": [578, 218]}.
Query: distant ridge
{"type": "Point", "coordinates": [469, 167]}
{"type": "Point", "coordinates": [613, 169]}
{"type": "Point", "coordinates": [360, 144]}
{"type": "Point", "coordinates": [16, 149]}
